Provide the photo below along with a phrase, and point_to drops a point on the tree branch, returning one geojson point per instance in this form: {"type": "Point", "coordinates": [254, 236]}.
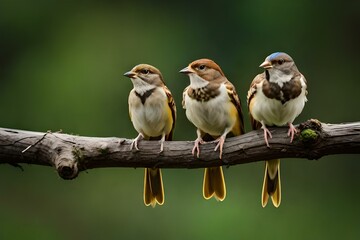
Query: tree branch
{"type": "Point", "coordinates": [71, 154]}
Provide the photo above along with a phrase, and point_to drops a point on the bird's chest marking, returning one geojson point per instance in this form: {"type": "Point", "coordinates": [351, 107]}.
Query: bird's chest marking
{"type": "Point", "coordinates": [203, 94]}
{"type": "Point", "coordinates": [288, 91]}
{"type": "Point", "coordinates": [145, 95]}
{"type": "Point", "coordinates": [213, 115]}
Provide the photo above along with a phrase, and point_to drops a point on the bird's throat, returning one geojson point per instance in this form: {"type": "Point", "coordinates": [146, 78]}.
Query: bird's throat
{"type": "Point", "coordinates": [144, 95]}
{"type": "Point", "coordinates": [197, 82]}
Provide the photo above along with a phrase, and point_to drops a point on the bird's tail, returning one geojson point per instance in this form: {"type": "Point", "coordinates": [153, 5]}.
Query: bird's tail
{"type": "Point", "coordinates": [272, 184]}
{"type": "Point", "coordinates": [214, 184]}
{"type": "Point", "coordinates": [153, 187]}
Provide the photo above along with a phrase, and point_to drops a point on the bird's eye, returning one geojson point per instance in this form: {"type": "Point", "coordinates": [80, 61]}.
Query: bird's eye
{"type": "Point", "coordinates": [145, 71]}
{"type": "Point", "coordinates": [202, 67]}
{"type": "Point", "coordinates": [281, 61]}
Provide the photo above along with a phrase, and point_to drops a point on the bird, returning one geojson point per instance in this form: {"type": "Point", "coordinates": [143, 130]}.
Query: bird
{"type": "Point", "coordinates": [213, 106]}
{"type": "Point", "coordinates": [152, 111]}
{"type": "Point", "coordinates": [275, 98]}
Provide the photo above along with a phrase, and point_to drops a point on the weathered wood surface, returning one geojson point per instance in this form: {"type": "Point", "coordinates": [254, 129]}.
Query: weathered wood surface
{"type": "Point", "coordinates": [71, 154]}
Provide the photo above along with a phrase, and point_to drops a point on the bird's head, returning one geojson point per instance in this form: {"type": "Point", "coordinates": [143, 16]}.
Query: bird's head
{"type": "Point", "coordinates": [202, 71]}
{"type": "Point", "coordinates": [278, 61]}
{"type": "Point", "coordinates": [144, 76]}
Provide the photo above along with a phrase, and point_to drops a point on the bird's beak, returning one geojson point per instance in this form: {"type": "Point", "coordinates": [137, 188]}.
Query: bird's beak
{"type": "Point", "coordinates": [187, 70]}
{"type": "Point", "coordinates": [266, 64]}
{"type": "Point", "coordinates": [130, 74]}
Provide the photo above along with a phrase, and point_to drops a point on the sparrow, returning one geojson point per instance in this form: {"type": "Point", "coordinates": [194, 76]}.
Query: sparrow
{"type": "Point", "coordinates": [275, 98]}
{"type": "Point", "coordinates": [213, 106]}
{"type": "Point", "coordinates": [152, 112]}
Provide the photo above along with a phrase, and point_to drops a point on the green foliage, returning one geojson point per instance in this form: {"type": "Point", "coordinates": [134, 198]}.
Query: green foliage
{"type": "Point", "coordinates": [61, 66]}
{"type": "Point", "coordinates": [104, 151]}
{"type": "Point", "coordinates": [77, 153]}
{"type": "Point", "coordinates": [308, 135]}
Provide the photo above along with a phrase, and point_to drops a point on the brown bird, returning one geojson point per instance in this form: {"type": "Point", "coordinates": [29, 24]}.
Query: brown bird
{"type": "Point", "coordinates": [214, 107]}
{"type": "Point", "coordinates": [275, 98]}
{"type": "Point", "coordinates": [153, 112]}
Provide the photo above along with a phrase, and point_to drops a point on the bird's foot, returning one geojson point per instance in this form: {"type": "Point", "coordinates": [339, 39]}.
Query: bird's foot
{"type": "Point", "coordinates": [162, 145]}
{"type": "Point", "coordinates": [135, 142]}
{"type": "Point", "coordinates": [291, 132]}
{"type": "Point", "coordinates": [196, 147]}
{"type": "Point", "coordinates": [220, 143]}
{"type": "Point", "coordinates": [266, 134]}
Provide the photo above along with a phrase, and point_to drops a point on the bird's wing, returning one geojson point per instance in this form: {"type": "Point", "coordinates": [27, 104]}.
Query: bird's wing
{"type": "Point", "coordinates": [172, 107]}
{"type": "Point", "coordinates": [236, 101]}
{"type": "Point", "coordinates": [250, 96]}
{"type": "Point", "coordinates": [183, 99]}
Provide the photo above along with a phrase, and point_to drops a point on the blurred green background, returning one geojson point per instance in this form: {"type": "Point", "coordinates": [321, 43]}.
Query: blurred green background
{"type": "Point", "coordinates": [61, 66]}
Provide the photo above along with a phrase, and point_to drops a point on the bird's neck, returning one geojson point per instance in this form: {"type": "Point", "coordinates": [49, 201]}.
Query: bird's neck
{"type": "Point", "coordinates": [278, 77]}
{"type": "Point", "coordinates": [141, 87]}
{"type": "Point", "coordinates": [197, 82]}
{"type": "Point", "coordinates": [144, 96]}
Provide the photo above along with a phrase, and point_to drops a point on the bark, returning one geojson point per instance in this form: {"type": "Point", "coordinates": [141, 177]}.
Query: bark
{"type": "Point", "coordinates": [71, 154]}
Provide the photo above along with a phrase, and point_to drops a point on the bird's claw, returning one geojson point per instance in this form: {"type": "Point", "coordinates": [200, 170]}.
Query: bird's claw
{"type": "Point", "coordinates": [161, 146]}
{"type": "Point", "coordinates": [135, 142]}
{"type": "Point", "coordinates": [291, 132]}
{"type": "Point", "coordinates": [196, 147]}
{"type": "Point", "coordinates": [220, 143]}
{"type": "Point", "coordinates": [266, 134]}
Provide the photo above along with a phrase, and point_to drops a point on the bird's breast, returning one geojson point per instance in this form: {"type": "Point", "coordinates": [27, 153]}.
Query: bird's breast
{"type": "Point", "coordinates": [153, 117]}
{"type": "Point", "coordinates": [278, 106]}
{"type": "Point", "coordinates": [211, 115]}
{"type": "Point", "coordinates": [203, 94]}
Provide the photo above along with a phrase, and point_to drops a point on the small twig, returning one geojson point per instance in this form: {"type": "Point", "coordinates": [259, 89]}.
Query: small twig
{"type": "Point", "coordinates": [64, 140]}
{"type": "Point", "coordinates": [38, 141]}
{"type": "Point", "coordinates": [17, 166]}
